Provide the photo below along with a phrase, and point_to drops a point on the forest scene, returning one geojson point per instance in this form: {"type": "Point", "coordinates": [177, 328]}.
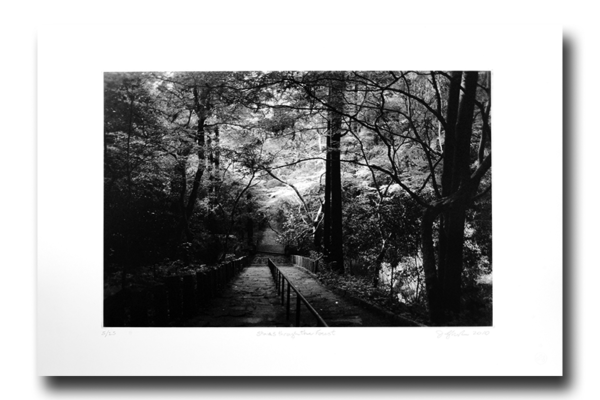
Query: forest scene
{"type": "Point", "coordinates": [297, 198]}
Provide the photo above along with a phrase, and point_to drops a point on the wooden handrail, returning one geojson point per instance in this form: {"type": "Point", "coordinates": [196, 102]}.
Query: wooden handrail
{"type": "Point", "coordinates": [280, 280]}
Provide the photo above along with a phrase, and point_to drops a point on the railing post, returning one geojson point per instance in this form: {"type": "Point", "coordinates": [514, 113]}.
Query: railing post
{"type": "Point", "coordinates": [297, 309]}
{"type": "Point", "coordinates": [282, 288]}
{"type": "Point", "coordinates": [280, 280]}
{"type": "Point", "coordinates": [287, 314]}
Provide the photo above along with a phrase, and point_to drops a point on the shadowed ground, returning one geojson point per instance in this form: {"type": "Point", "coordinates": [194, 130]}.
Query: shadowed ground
{"type": "Point", "coordinates": [250, 300]}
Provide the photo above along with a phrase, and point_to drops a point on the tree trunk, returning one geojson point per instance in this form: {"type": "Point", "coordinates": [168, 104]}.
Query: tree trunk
{"type": "Point", "coordinates": [448, 156]}
{"type": "Point", "coordinates": [454, 218]}
{"type": "Point", "coordinates": [128, 240]}
{"type": "Point", "coordinates": [443, 278]}
{"type": "Point", "coordinates": [216, 161]}
{"type": "Point", "coordinates": [210, 159]}
{"type": "Point", "coordinates": [184, 232]}
{"type": "Point", "coordinates": [432, 283]}
{"type": "Point", "coordinates": [327, 202]}
{"type": "Point", "coordinates": [336, 101]}
{"type": "Point", "coordinates": [201, 112]}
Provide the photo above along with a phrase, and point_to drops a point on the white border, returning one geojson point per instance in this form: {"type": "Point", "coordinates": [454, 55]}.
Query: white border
{"type": "Point", "coordinates": [527, 133]}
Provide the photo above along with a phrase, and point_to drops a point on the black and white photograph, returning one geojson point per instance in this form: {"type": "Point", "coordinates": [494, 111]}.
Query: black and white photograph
{"type": "Point", "coordinates": [298, 199]}
{"type": "Point", "coordinates": [217, 199]}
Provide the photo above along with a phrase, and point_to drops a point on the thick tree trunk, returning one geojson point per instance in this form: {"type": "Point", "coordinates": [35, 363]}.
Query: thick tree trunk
{"type": "Point", "coordinates": [318, 237]}
{"type": "Point", "coordinates": [128, 238]}
{"type": "Point", "coordinates": [327, 202]}
{"type": "Point", "coordinates": [454, 217]}
{"type": "Point", "coordinates": [448, 156]}
{"type": "Point", "coordinates": [337, 102]}
{"type": "Point", "coordinates": [443, 276]}
{"type": "Point", "coordinates": [443, 285]}
{"type": "Point", "coordinates": [454, 225]}
{"type": "Point", "coordinates": [449, 136]}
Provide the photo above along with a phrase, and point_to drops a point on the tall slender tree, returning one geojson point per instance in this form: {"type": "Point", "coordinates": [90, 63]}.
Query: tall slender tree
{"type": "Point", "coordinates": [336, 103]}
{"type": "Point", "coordinates": [327, 200]}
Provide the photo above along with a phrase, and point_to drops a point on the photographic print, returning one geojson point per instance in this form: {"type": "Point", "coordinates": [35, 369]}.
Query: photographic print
{"type": "Point", "coordinates": [254, 202]}
{"type": "Point", "coordinates": [284, 199]}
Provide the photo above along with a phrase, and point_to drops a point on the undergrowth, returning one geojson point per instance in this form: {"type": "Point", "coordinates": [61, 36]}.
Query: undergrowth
{"type": "Point", "coordinates": [363, 288]}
